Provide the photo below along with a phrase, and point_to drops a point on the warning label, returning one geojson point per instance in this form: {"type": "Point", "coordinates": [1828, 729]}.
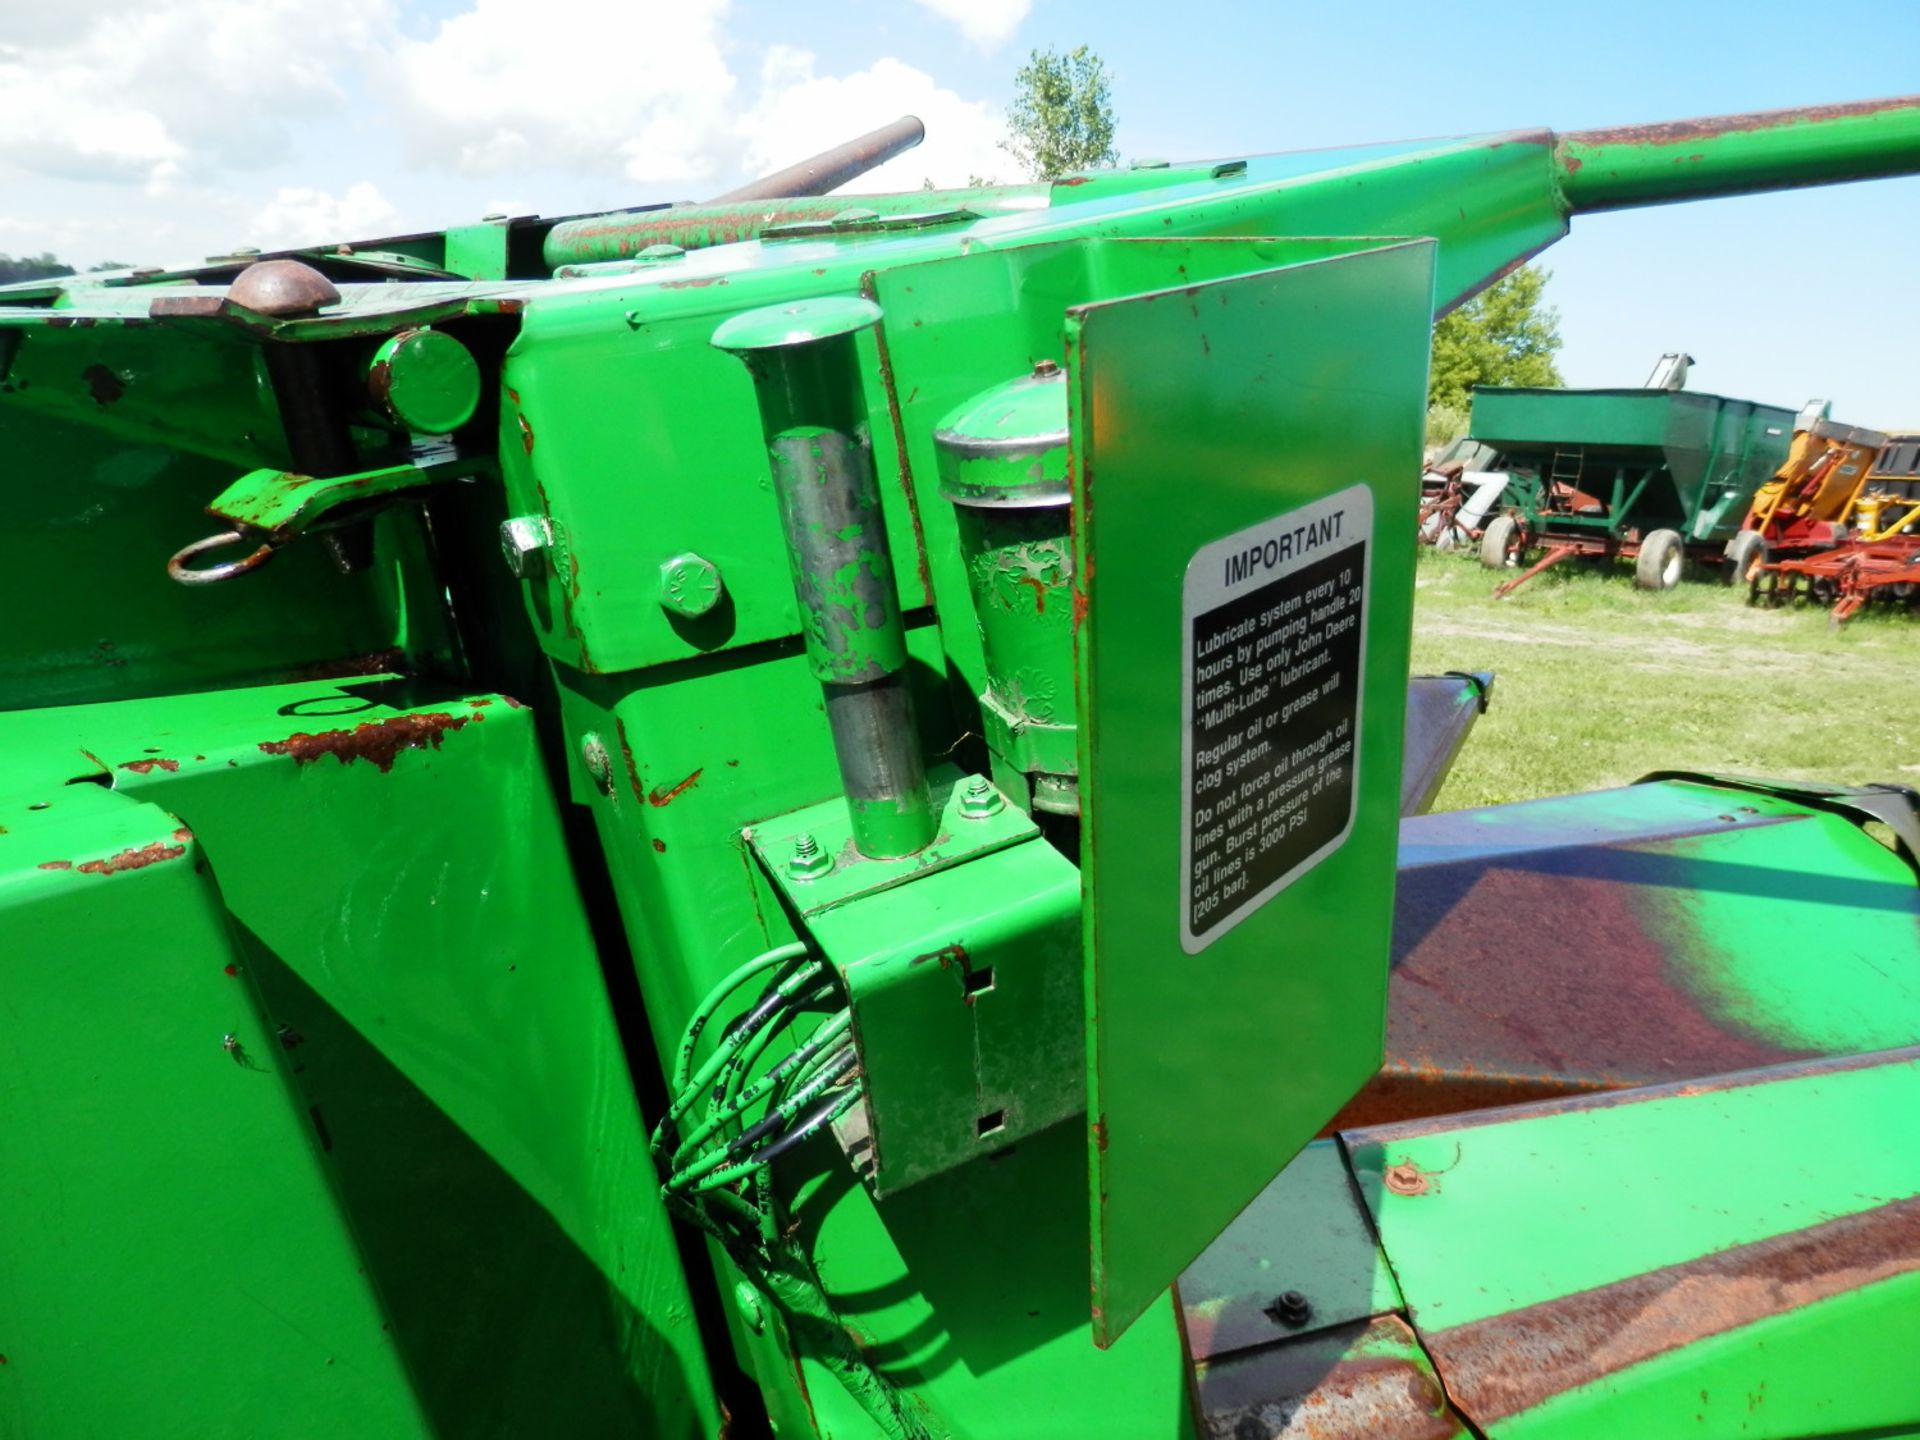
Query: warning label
{"type": "Point", "coordinates": [1274, 621]}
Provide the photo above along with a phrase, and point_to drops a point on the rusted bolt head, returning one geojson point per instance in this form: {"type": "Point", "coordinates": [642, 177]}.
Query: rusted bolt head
{"type": "Point", "coordinates": [1406, 1178]}
{"type": "Point", "coordinates": [690, 585]}
{"type": "Point", "coordinates": [282, 288]}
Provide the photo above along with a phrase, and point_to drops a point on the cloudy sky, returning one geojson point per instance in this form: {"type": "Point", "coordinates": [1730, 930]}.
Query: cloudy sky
{"type": "Point", "coordinates": [157, 131]}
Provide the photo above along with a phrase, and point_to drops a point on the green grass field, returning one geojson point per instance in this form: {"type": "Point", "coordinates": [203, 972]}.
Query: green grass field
{"type": "Point", "coordinates": [1598, 682]}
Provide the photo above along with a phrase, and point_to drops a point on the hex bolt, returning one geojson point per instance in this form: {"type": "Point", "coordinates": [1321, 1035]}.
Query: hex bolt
{"type": "Point", "coordinates": [690, 585]}
{"type": "Point", "coordinates": [599, 762]}
{"type": "Point", "coordinates": [1290, 1309]}
{"type": "Point", "coordinates": [527, 543]}
{"type": "Point", "coordinates": [809, 861]}
{"type": "Point", "coordinates": [978, 799]}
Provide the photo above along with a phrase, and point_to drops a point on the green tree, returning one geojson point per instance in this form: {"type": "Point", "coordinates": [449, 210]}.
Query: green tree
{"type": "Point", "coordinates": [1503, 336]}
{"type": "Point", "coordinates": [30, 267]}
{"type": "Point", "coordinates": [1061, 118]}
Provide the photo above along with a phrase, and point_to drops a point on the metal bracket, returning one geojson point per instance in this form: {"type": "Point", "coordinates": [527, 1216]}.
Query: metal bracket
{"type": "Point", "coordinates": [268, 508]}
{"type": "Point", "coordinates": [810, 856]}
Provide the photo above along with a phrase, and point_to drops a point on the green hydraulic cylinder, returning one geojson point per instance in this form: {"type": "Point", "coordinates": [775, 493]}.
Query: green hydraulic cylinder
{"type": "Point", "coordinates": [807, 379]}
{"type": "Point", "coordinates": [1003, 466]}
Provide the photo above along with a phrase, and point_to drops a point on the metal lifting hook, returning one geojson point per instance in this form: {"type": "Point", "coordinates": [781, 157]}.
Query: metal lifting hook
{"type": "Point", "coordinates": [180, 570]}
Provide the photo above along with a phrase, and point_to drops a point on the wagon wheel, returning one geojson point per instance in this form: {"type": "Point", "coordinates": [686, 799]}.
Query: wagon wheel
{"type": "Point", "coordinates": [1658, 566]}
{"type": "Point", "coordinates": [1744, 551]}
{"type": "Point", "coordinates": [1501, 543]}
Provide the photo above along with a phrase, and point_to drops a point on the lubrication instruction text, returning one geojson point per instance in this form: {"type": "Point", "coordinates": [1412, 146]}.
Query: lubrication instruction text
{"type": "Point", "coordinates": [1275, 632]}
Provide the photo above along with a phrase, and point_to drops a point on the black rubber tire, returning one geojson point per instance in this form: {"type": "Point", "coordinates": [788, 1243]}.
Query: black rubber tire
{"type": "Point", "coordinates": [1662, 556]}
{"type": "Point", "coordinates": [1500, 543]}
{"type": "Point", "coordinates": [1743, 552]}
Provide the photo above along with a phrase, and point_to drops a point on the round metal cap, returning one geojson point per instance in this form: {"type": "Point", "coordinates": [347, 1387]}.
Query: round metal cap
{"type": "Point", "coordinates": [1007, 446]}
{"type": "Point", "coordinates": [282, 288]}
{"type": "Point", "coordinates": [425, 379]}
{"type": "Point", "coordinates": [801, 322]}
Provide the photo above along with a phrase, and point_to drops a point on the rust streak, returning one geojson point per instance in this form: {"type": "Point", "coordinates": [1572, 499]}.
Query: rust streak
{"type": "Point", "coordinates": [1675, 132]}
{"type": "Point", "coordinates": [660, 795]}
{"type": "Point", "coordinates": [1641, 1094]}
{"type": "Point", "coordinates": [633, 769]}
{"type": "Point", "coordinates": [892, 392]}
{"type": "Point", "coordinates": [1508, 1363]}
{"type": "Point", "coordinates": [137, 858]}
{"type": "Point", "coordinates": [379, 741]}
{"type": "Point", "coordinates": [56, 864]}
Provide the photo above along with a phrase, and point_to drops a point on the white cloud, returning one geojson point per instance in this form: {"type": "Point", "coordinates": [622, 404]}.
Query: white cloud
{"type": "Point", "coordinates": [150, 94]}
{"type": "Point", "coordinates": [300, 216]}
{"type": "Point", "coordinates": [985, 22]}
{"type": "Point", "coordinates": [800, 113]}
{"type": "Point", "coordinates": [512, 87]}
{"type": "Point", "coordinates": [164, 130]}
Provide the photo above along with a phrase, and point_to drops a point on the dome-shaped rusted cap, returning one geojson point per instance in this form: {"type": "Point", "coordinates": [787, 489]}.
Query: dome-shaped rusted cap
{"type": "Point", "coordinates": [282, 287]}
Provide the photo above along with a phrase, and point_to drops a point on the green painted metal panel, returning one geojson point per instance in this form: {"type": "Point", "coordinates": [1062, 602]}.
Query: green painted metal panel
{"type": "Point", "coordinates": [95, 517]}
{"type": "Point", "coordinates": [1662, 1247]}
{"type": "Point", "coordinates": [1199, 413]}
{"type": "Point", "coordinates": [1840, 1366]}
{"type": "Point", "coordinates": [1541, 1202]}
{"type": "Point", "coordinates": [176, 1266]}
{"type": "Point", "coordinates": [970, 1293]}
{"type": "Point", "coordinates": [400, 894]}
{"type": "Point", "coordinates": [965, 990]}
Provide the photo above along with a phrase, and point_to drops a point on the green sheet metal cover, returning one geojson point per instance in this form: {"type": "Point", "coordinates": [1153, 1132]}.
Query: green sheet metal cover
{"type": "Point", "coordinates": [1238, 447]}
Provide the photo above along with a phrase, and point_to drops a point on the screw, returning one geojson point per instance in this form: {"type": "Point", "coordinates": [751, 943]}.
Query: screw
{"type": "Point", "coordinates": [526, 541]}
{"type": "Point", "coordinates": [978, 799]}
{"type": "Point", "coordinates": [690, 585]}
{"type": "Point", "coordinates": [1290, 1309]}
{"type": "Point", "coordinates": [809, 861]}
{"type": "Point", "coordinates": [599, 763]}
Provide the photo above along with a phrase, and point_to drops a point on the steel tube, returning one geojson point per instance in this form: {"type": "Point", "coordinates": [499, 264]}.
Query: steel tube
{"type": "Point", "coordinates": [692, 227]}
{"type": "Point", "coordinates": [833, 167]}
{"type": "Point", "coordinates": [1633, 165]}
{"type": "Point", "coordinates": [807, 381]}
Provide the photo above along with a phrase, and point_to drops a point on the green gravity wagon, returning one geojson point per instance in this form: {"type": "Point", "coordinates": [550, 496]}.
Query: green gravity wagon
{"type": "Point", "coordinates": [1655, 476]}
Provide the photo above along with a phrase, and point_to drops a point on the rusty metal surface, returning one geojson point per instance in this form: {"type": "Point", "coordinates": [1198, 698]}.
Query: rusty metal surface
{"type": "Point", "coordinates": [1680, 132]}
{"type": "Point", "coordinates": [1524, 971]}
{"type": "Point", "coordinates": [377, 741]}
{"type": "Point", "coordinates": [835, 166]}
{"type": "Point", "coordinates": [282, 288]}
{"type": "Point", "coordinates": [1408, 1182]}
{"type": "Point", "coordinates": [1364, 1381]}
{"type": "Point", "coordinates": [1501, 1366]}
